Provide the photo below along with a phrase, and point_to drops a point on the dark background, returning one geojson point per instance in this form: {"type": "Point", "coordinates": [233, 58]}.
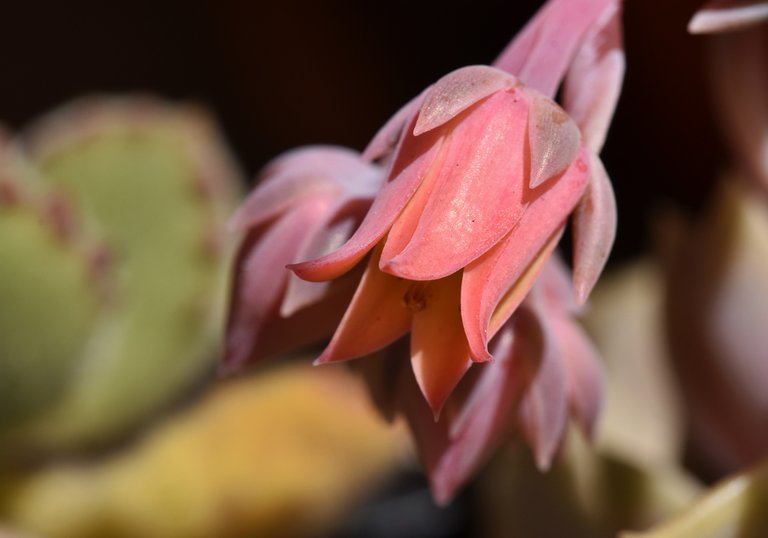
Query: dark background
{"type": "Point", "coordinates": [281, 74]}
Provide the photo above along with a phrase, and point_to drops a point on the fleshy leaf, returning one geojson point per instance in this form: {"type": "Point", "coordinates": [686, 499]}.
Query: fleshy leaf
{"type": "Point", "coordinates": [457, 91]}
{"type": "Point", "coordinates": [553, 137]}
{"type": "Point", "coordinates": [594, 229]}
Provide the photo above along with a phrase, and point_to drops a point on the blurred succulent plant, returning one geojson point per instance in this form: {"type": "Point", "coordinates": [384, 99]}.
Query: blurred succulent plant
{"type": "Point", "coordinates": [95, 338]}
{"type": "Point", "coordinates": [294, 471]}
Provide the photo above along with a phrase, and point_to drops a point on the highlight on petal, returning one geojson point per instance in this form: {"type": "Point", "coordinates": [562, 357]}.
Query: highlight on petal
{"type": "Point", "coordinates": [553, 137]}
{"type": "Point", "coordinates": [540, 55]}
{"type": "Point", "coordinates": [376, 316]}
{"type": "Point", "coordinates": [408, 170]}
{"type": "Point", "coordinates": [457, 91]}
{"type": "Point", "coordinates": [544, 407]}
{"type": "Point", "coordinates": [594, 229]}
{"type": "Point", "coordinates": [727, 15]}
{"type": "Point", "coordinates": [439, 349]}
{"type": "Point", "coordinates": [593, 83]}
{"type": "Point", "coordinates": [479, 191]}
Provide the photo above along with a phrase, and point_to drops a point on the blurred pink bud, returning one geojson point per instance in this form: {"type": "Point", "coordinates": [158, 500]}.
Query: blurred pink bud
{"type": "Point", "coordinates": [727, 15]}
{"type": "Point", "coordinates": [308, 202]}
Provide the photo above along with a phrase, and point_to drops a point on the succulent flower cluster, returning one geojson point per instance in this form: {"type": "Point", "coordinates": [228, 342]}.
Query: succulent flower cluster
{"type": "Point", "coordinates": [444, 231]}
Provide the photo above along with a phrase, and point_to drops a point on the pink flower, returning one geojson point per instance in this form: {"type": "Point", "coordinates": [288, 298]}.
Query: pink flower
{"type": "Point", "coordinates": [308, 202]}
{"type": "Point", "coordinates": [483, 179]}
{"type": "Point", "coordinates": [727, 15]}
{"type": "Point", "coordinates": [484, 171]}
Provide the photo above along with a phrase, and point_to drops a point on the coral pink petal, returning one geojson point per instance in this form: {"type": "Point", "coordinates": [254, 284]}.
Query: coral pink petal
{"type": "Point", "coordinates": [375, 317]}
{"type": "Point", "coordinates": [489, 279]}
{"type": "Point", "coordinates": [553, 137]}
{"type": "Point", "coordinates": [261, 278]}
{"type": "Point", "coordinates": [408, 170]}
{"type": "Point", "coordinates": [439, 350]}
{"type": "Point", "coordinates": [478, 195]}
{"type": "Point", "coordinates": [593, 83]}
{"type": "Point", "coordinates": [540, 55]}
{"type": "Point", "coordinates": [457, 91]}
{"type": "Point", "coordinates": [727, 15]}
{"type": "Point", "coordinates": [544, 407]}
{"type": "Point", "coordinates": [386, 139]}
{"type": "Point", "coordinates": [584, 372]}
{"type": "Point", "coordinates": [594, 229]}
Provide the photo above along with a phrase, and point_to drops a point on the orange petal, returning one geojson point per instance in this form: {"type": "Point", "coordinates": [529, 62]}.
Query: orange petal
{"type": "Point", "coordinates": [439, 348]}
{"type": "Point", "coordinates": [377, 315]}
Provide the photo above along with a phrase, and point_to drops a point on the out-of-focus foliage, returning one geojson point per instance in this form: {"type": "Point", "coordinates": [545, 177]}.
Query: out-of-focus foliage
{"type": "Point", "coordinates": [734, 508]}
{"type": "Point", "coordinates": [281, 454]}
{"type": "Point", "coordinates": [97, 339]}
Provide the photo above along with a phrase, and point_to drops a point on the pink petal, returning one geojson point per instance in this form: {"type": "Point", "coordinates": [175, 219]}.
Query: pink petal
{"type": "Point", "coordinates": [376, 316]}
{"type": "Point", "coordinates": [544, 407]}
{"type": "Point", "coordinates": [540, 55]}
{"type": "Point", "coordinates": [509, 269]}
{"type": "Point", "coordinates": [593, 83]}
{"type": "Point", "coordinates": [594, 229]}
{"type": "Point", "coordinates": [411, 165]}
{"type": "Point", "coordinates": [261, 276]}
{"type": "Point", "coordinates": [553, 137]}
{"type": "Point", "coordinates": [439, 349]}
{"type": "Point", "coordinates": [457, 91]}
{"type": "Point", "coordinates": [727, 15]}
{"type": "Point", "coordinates": [479, 191]}
{"type": "Point", "coordinates": [584, 371]}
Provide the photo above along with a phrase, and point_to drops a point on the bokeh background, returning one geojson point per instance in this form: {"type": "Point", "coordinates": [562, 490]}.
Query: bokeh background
{"type": "Point", "coordinates": [285, 73]}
